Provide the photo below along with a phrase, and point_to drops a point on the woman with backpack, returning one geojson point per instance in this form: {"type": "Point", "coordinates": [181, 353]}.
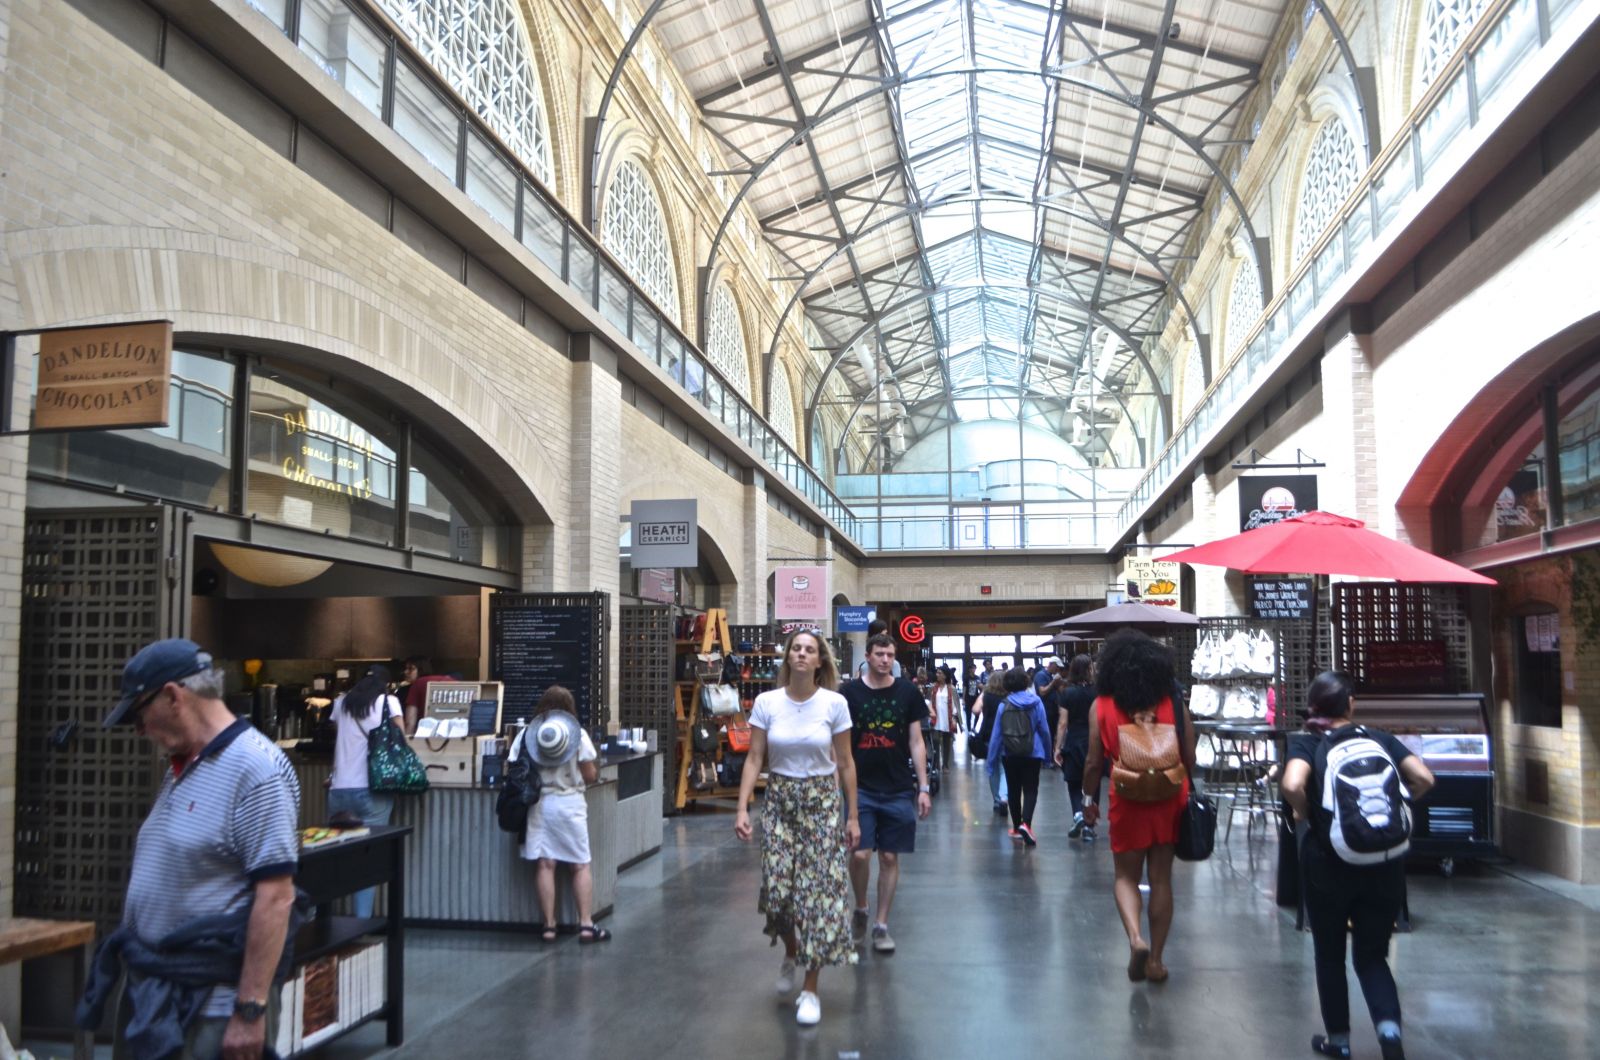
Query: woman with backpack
{"type": "Point", "coordinates": [1348, 786]}
{"type": "Point", "coordinates": [1146, 734]}
{"type": "Point", "coordinates": [558, 824]}
{"type": "Point", "coordinates": [1018, 745]}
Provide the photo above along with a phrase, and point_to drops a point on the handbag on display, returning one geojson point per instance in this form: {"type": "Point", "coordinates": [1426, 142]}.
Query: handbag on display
{"type": "Point", "coordinates": [739, 734]}
{"type": "Point", "coordinates": [703, 739]}
{"type": "Point", "coordinates": [719, 700]}
{"type": "Point", "coordinates": [732, 769]}
{"type": "Point", "coordinates": [392, 766]}
{"type": "Point", "coordinates": [1203, 701]}
{"type": "Point", "coordinates": [1197, 827]}
{"type": "Point", "coordinates": [1149, 766]}
{"type": "Point", "coordinates": [1263, 654]}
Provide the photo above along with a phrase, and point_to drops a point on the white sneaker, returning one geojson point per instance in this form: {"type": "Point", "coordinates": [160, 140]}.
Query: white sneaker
{"type": "Point", "coordinates": [785, 984]}
{"type": "Point", "coordinates": [808, 1009]}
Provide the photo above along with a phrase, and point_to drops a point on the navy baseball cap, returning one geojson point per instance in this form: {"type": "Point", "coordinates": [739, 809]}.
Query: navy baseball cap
{"type": "Point", "coordinates": [153, 666]}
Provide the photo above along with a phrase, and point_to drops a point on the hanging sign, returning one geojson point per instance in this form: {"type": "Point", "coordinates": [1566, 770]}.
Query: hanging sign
{"type": "Point", "coordinates": [801, 592]}
{"type": "Point", "coordinates": [912, 631]}
{"type": "Point", "coordinates": [659, 584]}
{"type": "Point", "coordinates": [665, 534]}
{"type": "Point", "coordinates": [1268, 499]}
{"type": "Point", "coordinates": [104, 377]}
{"type": "Point", "coordinates": [1282, 597]}
{"type": "Point", "coordinates": [1151, 581]}
{"type": "Point", "coordinates": [854, 619]}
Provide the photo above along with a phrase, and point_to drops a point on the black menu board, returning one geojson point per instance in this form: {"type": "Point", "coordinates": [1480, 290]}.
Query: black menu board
{"type": "Point", "coordinates": [537, 640]}
{"type": "Point", "coordinates": [1282, 597]}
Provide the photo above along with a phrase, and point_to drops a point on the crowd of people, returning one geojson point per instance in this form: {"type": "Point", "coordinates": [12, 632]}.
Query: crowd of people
{"type": "Point", "coordinates": [847, 771]}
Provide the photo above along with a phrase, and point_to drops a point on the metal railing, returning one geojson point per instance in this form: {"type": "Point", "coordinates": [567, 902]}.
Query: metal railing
{"type": "Point", "coordinates": [1496, 51]}
{"type": "Point", "coordinates": [374, 59]}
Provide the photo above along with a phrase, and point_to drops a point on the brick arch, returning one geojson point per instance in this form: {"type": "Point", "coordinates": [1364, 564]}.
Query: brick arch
{"type": "Point", "coordinates": [218, 291]}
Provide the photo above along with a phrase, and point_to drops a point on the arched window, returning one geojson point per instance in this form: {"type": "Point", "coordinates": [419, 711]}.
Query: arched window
{"type": "Point", "coordinates": [725, 340]}
{"type": "Point", "coordinates": [1332, 172]}
{"type": "Point", "coordinates": [780, 406]}
{"type": "Point", "coordinates": [1445, 25]}
{"type": "Point", "coordinates": [636, 232]}
{"type": "Point", "coordinates": [481, 48]}
{"type": "Point", "coordinates": [1244, 305]}
{"type": "Point", "coordinates": [1194, 381]}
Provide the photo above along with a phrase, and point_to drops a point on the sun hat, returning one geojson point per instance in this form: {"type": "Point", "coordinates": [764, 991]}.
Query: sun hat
{"type": "Point", "coordinates": [152, 667]}
{"type": "Point", "coordinates": [555, 738]}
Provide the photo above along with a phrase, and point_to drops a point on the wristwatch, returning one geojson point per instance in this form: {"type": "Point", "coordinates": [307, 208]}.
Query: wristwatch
{"type": "Point", "coordinates": [249, 1011]}
{"type": "Point", "coordinates": [925, 790]}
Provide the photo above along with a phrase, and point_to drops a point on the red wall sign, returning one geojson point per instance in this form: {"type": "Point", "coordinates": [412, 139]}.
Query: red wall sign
{"type": "Point", "coordinates": [911, 630]}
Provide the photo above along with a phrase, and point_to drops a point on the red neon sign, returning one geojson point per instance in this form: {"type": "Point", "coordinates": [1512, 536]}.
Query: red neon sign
{"type": "Point", "coordinates": [911, 630]}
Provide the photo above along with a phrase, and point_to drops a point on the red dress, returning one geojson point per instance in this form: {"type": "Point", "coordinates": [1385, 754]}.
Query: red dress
{"type": "Point", "coordinates": [1137, 825]}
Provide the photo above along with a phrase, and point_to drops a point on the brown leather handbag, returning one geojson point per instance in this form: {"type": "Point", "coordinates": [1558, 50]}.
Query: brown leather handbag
{"type": "Point", "coordinates": [1149, 767]}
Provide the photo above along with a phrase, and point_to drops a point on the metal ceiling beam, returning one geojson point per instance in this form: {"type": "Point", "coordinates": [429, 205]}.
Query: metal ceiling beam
{"type": "Point", "coordinates": [1149, 40]}
{"type": "Point", "coordinates": [1361, 77]}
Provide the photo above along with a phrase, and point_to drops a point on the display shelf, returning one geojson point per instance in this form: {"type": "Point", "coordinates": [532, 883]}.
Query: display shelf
{"type": "Point", "coordinates": [325, 935]}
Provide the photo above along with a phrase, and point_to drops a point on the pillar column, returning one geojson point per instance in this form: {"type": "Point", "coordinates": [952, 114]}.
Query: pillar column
{"type": "Point", "coordinates": [591, 557]}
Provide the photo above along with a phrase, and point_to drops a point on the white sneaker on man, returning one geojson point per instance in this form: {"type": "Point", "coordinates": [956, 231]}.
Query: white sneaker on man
{"type": "Point", "coordinates": [808, 1009]}
{"type": "Point", "coordinates": [785, 984]}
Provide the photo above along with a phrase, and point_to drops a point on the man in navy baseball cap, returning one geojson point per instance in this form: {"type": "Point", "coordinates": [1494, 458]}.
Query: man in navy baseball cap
{"type": "Point", "coordinates": [149, 671]}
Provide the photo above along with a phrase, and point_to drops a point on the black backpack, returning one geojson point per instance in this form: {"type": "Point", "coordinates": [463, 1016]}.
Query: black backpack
{"type": "Point", "coordinates": [519, 790]}
{"type": "Point", "coordinates": [1361, 802]}
{"type": "Point", "coordinates": [1016, 731]}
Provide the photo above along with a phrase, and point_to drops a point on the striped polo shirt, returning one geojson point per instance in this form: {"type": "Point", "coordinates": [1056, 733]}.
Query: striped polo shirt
{"type": "Point", "coordinates": [229, 818]}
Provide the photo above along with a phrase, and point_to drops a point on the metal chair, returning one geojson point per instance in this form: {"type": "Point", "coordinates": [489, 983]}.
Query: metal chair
{"type": "Point", "coordinates": [1243, 759]}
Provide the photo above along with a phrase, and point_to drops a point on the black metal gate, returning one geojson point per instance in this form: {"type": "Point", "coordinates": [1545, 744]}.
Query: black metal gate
{"type": "Point", "coordinates": [97, 586]}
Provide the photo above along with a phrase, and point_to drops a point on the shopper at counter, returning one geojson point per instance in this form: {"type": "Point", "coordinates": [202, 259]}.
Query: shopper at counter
{"type": "Point", "coordinates": [418, 676]}
{"type": "Point", "coordinates": [1364, 898]}
{"type": "Point", "coordinates": [356, 714]}
{"type": "Point", "coordinates": [558, 824]}
{"type": "Point", "coordinates": [800, 736]}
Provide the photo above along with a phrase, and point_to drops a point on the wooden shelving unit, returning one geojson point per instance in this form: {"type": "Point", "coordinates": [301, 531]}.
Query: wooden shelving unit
{"type": "Point", "coordinates": [687, 694]}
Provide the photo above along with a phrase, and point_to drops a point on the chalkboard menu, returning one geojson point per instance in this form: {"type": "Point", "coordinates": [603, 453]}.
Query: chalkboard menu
{"type": "Point", "coordinates": [1406, 666]}
{"type": "Point", "coordinates": [541, 639]}
{"type": "Point", "coordinates": [1282, 597]}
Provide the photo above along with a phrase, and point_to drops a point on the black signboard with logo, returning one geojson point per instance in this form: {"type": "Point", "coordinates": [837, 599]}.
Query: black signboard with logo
{"type": "Point", "coordinates": [1275, 597]}
{"type": "Point", "coordinates": [1268, 499]}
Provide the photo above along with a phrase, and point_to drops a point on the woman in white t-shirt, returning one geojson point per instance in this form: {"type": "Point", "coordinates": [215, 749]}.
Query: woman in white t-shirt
{"type": "Point", "coordinates": [355, 714]}
{"type": "Point", "coordinates": [800, 735]}
{"type": "Point", "coordinates": [943, 709]}
{"type": "Point", "coordinates": [558, 824]}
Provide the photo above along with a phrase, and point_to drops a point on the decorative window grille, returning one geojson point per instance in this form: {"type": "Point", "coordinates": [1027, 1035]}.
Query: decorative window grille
{"type": "Point", "coordinates": [1244, 305]}
{"type": "Point", "coordinates": [1331, 175]}
{"type": "Point", "coordinates": [725, 341]}
{"type": "Point", "coordinates": [1194, 381]}
{"type": "Point", "coordinates": [635, 231]}
{"type": "Point", "coordinates": [781, 406]}
{"type": "Point", "coordinates": [481, 49]}
{"type": "Point", "coordinates": [1445, 26]}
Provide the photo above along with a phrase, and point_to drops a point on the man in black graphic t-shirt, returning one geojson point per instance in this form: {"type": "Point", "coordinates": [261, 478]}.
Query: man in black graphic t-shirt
{"type": "Point", "coordinates": [886, 716]}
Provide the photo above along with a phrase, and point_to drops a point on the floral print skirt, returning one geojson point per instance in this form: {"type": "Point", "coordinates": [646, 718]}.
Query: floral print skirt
{"type": "Point", "coordinates": [805, 869]}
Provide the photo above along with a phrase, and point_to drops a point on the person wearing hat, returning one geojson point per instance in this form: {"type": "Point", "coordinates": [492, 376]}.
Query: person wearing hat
{"type": "Point", "coordinates": [206, 922]}
{"type": "Point", "coordinates": [558, 824]}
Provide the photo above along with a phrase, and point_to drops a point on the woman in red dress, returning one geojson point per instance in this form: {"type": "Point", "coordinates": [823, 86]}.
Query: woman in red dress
{"type": "Point", "coordinates": [1136, 686]}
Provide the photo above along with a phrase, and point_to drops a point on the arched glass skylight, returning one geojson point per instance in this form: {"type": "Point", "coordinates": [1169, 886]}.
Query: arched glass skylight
{"type": "Point", "coordinates": [481, 49]}
{"type": "Point", "coordinates": [635, 231]}
{"type": "Point", "coordinates": [1332, 173]}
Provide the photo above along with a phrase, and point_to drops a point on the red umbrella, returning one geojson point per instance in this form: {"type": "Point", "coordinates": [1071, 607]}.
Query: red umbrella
{"type": "Point", "coordinates": [1324, 543]}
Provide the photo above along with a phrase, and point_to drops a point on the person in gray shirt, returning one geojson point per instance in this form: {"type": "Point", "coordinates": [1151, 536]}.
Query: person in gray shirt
{"type": "Point", "coordinates": [216, 857]}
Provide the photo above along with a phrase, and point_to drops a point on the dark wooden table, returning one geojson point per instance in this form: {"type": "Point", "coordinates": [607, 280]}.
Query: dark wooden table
{"type": "Point", "coordinates": [22, 939]}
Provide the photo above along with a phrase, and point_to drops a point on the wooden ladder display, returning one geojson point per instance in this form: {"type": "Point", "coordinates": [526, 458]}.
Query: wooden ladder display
{"type": "Point", "coordinates": [717, 629]}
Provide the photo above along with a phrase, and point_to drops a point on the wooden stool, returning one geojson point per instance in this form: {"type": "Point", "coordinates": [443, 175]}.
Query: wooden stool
{"type": "Point", "coordinates": [23, 939]}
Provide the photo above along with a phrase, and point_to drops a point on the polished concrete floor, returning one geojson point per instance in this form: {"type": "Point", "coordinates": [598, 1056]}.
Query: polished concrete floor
{"type": "Point", "coordinates": [1002, 951]}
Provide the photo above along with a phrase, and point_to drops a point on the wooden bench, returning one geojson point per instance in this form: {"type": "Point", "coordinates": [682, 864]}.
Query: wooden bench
{"type": "Point", "coordinates": [23, 939]}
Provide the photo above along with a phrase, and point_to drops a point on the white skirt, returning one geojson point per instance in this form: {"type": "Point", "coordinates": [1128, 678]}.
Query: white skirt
{"type": "Point", "coordinates": [558, 828]}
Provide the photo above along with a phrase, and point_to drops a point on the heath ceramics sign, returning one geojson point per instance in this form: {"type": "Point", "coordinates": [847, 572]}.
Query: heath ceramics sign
{"type": "Point", "coordinates": [665, 534]}
{"type": "Point", "coordinates": [114, 376]}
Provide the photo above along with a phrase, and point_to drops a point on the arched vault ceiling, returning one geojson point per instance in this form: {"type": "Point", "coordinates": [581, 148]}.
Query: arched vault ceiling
{"type": "Point", "coordinates": [980, 201]}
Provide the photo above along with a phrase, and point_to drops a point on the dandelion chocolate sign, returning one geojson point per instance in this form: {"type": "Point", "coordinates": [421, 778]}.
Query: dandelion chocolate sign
{"type": "Point", "coordinates": [113, 376]}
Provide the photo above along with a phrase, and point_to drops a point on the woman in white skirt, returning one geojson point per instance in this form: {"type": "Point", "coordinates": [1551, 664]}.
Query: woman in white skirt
{"type": "Point", "coordinates": [558, 824]}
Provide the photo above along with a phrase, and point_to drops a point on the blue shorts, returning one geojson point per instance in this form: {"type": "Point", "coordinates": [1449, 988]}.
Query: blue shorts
{"type": "Point", "coordinates": [888, 822]}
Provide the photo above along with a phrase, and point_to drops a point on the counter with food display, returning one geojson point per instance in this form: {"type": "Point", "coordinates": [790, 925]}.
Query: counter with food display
{"type": "Point", "coordinates": [462, 870]}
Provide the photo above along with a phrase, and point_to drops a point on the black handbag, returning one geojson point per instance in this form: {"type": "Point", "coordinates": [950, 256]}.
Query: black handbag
{"type": "Point", "coordinates": [1197, 827]}
{"type": "Point", "coordinates": [519, 790]}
